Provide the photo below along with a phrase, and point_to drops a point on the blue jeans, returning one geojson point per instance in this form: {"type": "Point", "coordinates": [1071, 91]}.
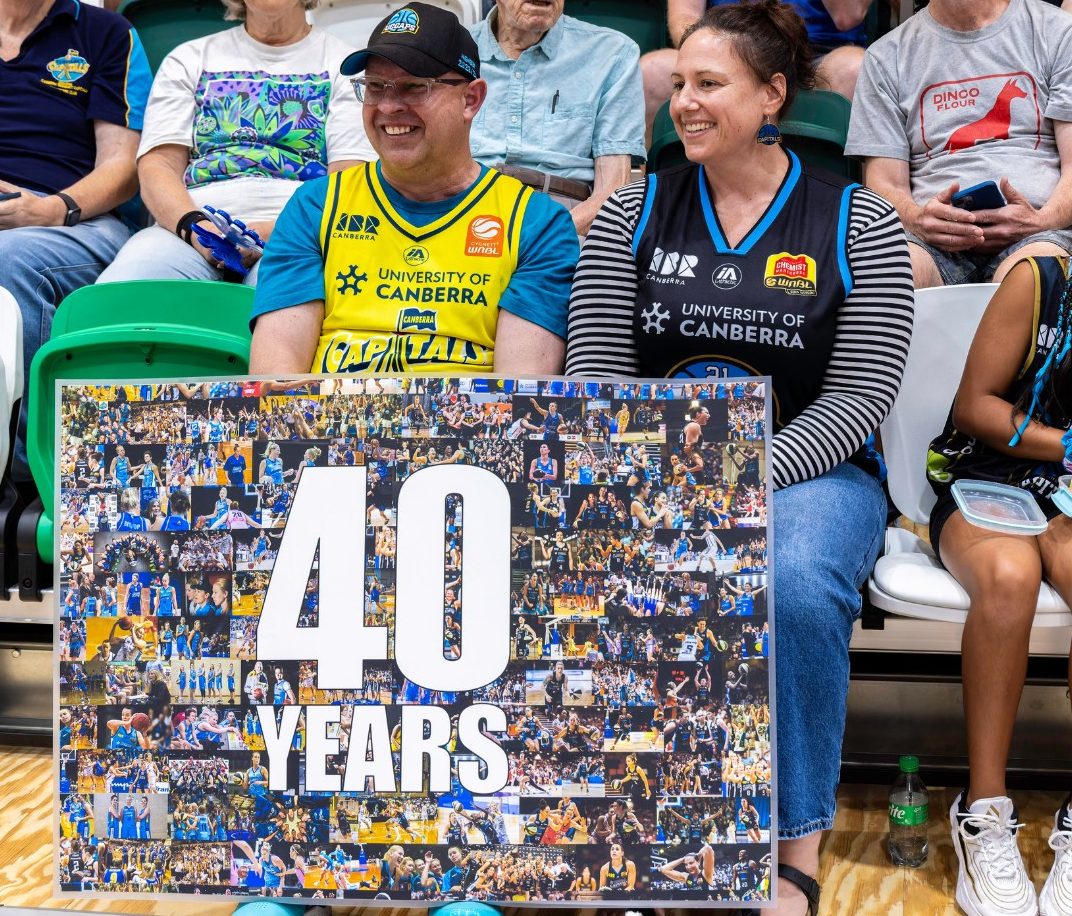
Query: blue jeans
{"type": "Point", "coordinates": [827, 535]}
{"type": "Point", "coordinates": [41, 265]}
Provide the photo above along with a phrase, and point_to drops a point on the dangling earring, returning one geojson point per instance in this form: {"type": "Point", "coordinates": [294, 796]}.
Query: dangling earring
{"type": "Point", "coordinates": [768, 133]}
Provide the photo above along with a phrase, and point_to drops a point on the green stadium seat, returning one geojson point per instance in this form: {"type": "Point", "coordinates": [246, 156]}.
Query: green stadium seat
{"type": "Point", "coordinates": [642, 20]}
{"type": "Point", "coordinates": [815, 129]}
{"type": "Point", "coordinates": [666, 148]}
{"type": "Point", "coordinates": [158, 329]}
{"type": "Point", "coordinates": [163, 25]}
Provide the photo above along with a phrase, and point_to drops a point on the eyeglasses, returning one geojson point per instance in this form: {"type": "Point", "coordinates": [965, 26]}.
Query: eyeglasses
{"type": "Point", "coordinates": [411, 91]}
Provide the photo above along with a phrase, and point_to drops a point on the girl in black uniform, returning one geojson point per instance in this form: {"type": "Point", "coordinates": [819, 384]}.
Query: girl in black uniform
{"type": "Point", "coordinates": [1009, 424]}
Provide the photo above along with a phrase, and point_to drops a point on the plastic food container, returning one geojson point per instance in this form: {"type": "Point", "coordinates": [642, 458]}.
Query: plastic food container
{"type": "Point", "coordinates": [999, 507]}
{"type": "Point", "coordinates": [1062, 499]}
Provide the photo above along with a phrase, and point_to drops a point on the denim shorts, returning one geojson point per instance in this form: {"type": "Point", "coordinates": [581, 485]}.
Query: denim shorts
{"type": "Point", "coordinates": [827, 534]}
{"type": "Point", "coordinates": [956, 267]}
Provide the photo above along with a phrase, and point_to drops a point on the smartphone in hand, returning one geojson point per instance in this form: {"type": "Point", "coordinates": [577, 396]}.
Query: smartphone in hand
{"type": "Point", "coordinates": [983, 196]}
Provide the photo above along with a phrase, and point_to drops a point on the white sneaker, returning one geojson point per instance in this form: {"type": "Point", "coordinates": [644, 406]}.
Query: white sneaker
{"type": "Point", "coordinates": [1056, 899]}
{"type": "Point", "coordinates": [992, 879]}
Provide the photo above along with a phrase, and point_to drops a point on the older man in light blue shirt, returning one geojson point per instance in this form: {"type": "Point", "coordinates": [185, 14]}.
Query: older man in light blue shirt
{"type": "Point", "coordinates": [565, 105]}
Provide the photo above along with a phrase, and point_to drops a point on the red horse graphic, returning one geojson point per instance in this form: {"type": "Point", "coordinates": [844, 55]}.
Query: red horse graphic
{"type": "Point", "coordinates": [994, 125]}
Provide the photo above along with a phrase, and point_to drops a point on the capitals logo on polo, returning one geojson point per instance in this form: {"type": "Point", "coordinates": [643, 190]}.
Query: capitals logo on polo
{"type": "Point", "coordinates": [670, 266]}
{"type": "Point", "coordinates": [404, 20]}
{"type": "Point", "coordinates": [70, 68]}
{"type": "Point", "coordinates": [484, 237]}
{"type": "Point", "coordinates": [791, 273]}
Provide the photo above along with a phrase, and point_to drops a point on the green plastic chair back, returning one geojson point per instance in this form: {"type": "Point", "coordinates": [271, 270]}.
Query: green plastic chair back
{"type": "Point", "coordinates": [666, 148]}
{"type": "Point", "coordinates": [815, 129]}
{"type": "Point", "coordinates": [222, 307]}
{"type": "Point", "coordinates": [642, 20]}
{"type": "Point", "coordinates": [163, 25]}
{"type": "Point", "coordinates": [125, 334]}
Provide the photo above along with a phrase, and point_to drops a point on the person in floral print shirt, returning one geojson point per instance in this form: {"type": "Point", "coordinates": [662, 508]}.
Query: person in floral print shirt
{"type": "Point", "coordinates": [237, 120]}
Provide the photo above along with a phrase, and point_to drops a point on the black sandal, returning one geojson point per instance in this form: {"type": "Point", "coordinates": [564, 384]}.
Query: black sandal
{"type": "Point", "coordinates": [808, 885]}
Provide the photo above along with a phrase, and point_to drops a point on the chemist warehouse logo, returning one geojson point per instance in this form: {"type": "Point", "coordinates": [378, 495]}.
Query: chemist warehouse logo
{"type": "Point", "coordinates": [791, 273]}
{"type": "Point", "coordinates": [484, 237]}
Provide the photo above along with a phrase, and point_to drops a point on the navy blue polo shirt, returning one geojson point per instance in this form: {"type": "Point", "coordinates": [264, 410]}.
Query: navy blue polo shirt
{"type": "Point", "coordinates": [81, 64]}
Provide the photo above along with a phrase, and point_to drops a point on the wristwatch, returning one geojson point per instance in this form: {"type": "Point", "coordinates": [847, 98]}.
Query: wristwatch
{"type": "Point", "coordinates": [74, 212]}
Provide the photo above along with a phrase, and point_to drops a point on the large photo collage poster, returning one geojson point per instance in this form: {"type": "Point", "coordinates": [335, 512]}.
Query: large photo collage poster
{"type": "Point", "coordinates": [415, 639]}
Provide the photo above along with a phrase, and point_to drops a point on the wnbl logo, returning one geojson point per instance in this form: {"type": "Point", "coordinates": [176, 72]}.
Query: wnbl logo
{"type": "Point", "coordinates": [354, 224]}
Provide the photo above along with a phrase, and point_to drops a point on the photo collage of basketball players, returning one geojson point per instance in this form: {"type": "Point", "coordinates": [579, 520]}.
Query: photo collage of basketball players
{"type": "Point", "coordinates": [636, 694]}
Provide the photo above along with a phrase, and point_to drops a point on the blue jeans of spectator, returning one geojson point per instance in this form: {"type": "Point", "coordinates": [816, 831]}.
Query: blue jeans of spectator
{"type": "Point", "coordinates": [827, 535]}
{"type": "Point", "coordinates": [39, 266]}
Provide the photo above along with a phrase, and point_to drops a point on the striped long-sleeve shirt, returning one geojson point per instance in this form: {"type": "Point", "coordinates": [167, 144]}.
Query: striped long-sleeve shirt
{"type": "Point", "coordinates": [873, 330]}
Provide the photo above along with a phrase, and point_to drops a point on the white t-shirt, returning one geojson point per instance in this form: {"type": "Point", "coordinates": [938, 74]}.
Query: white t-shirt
{"type": "Point", "coordinates": [258, 119]}
{"type": "Point", "coordinates": [969, 106]}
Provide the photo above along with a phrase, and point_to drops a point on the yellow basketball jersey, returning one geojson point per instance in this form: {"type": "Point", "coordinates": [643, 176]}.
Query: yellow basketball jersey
{"type": "Point", "coordinates": [404, 298]}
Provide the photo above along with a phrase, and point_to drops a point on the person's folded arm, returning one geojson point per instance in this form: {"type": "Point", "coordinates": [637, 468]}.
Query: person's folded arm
{"type": "Point", "coordinates": [288, 306]}
{"type": "Point", "coordinates": [600, 339]}
{"type": "Point", "coordinates": [680, 14]}
{"type": "Point", "coordinates": [284, 341]}
{"type": "Point", "coordinates": [863, 375]}
{"type": "Point", "coordinates": [112, 181]}
{"type": "Point", "coordinates": [531, 330]}
{"type": "Point", "coordinates": [611, 173]}
{"type": "Point", "coordinates": [847, 14]}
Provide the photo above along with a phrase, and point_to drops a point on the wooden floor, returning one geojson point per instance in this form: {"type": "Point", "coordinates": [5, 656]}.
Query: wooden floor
{"type": "Point", "coordinates": [855, 871]}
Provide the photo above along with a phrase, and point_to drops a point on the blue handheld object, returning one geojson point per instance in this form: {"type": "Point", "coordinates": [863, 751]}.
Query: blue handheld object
{"type": "Point", "coordinates": [983, 196]}
{"type": "Point", "coordinates": [269, 908]}
{"type": "Point", "coordinates": [233, 237]}
{"type": "Point", "coordinates": [464, 908]}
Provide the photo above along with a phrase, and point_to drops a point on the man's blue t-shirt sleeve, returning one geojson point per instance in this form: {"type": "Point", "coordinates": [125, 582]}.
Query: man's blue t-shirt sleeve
{"type": "Point", "coordinates": [292, 269]}
{"type": "Point", "coordinates": [540, 287]}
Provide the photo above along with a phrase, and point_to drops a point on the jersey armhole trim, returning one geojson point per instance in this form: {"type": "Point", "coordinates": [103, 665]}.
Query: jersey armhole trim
{"type": "Point", "coordinates": [334, 189]}
{"type": "Point", "coordinates": [645, 213]}
{"type": "Point", "coordinates": [843, 235]}
{"type": "Point", "coordinates": [1036, 317]}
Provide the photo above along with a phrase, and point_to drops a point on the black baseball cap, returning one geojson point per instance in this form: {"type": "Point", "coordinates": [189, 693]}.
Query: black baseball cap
{"type": "Point", "coordinates": [421, 39]}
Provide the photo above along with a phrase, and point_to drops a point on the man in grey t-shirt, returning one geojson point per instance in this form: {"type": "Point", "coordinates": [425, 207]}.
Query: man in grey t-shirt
{"type": "Point", "coordinates": [968, 91]}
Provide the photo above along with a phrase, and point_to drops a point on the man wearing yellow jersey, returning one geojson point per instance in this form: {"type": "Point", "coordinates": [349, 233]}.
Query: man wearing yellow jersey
{"type": "Point", "coordinates": [425, 260]}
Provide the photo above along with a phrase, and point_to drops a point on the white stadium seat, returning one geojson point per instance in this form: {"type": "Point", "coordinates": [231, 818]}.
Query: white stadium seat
{"type": "Point", "coordinates": [907, 579]}
{"type": "Point", "coordinates": [10, 368]}
{"type": "Point", "coordinates": [352, 21]}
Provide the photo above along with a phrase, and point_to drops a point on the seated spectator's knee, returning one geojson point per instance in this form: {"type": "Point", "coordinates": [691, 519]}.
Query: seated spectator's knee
{"type": "Point", "coordinates": [1034, 250]}
{"type": "Point", "coordinates": [924, 271]}
{"type": "Point", "coordinates": [1005, 594]}
{"type": "Point", "coordinates": [839, 69]}
{"type": "Point", "coordinates": [656, 68]}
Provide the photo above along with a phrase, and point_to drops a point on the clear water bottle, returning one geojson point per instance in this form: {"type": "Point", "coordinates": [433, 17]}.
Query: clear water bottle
{"type": "Point", "coordinates": [908, 816]}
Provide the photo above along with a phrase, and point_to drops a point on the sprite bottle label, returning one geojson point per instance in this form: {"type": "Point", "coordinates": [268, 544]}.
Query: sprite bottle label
{"type": "Point", "coordinates": [908, 815]}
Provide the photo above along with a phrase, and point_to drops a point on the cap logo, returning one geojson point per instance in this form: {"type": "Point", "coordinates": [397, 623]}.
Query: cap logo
{"type": "Point", "coordinates": [467, 65]}
{"type": "Point", "coordinates": [403, 20]}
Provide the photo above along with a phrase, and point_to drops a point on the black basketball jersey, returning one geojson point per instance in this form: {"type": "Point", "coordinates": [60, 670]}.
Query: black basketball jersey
{"type": "Point", "coordinates": [955, 455]}
{"type": "Point", "coordinates": [768, 306]}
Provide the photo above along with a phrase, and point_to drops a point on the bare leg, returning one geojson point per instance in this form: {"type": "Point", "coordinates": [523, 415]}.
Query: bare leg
{"type": "Point", "coordinates": [1034, 250]}
{"type": "Point", "coordinates": [1002, 574]}
{"type": "Point", "coordinates": [924, 270]}
{"type": "Point", "coordinates": [802, 854]}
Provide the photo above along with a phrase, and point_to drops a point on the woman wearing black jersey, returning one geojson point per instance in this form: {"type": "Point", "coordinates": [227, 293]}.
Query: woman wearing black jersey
{"type": "Point", "coordinates": [618, 873]}
{"type": "Point", "coordinates": [787, 273]}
